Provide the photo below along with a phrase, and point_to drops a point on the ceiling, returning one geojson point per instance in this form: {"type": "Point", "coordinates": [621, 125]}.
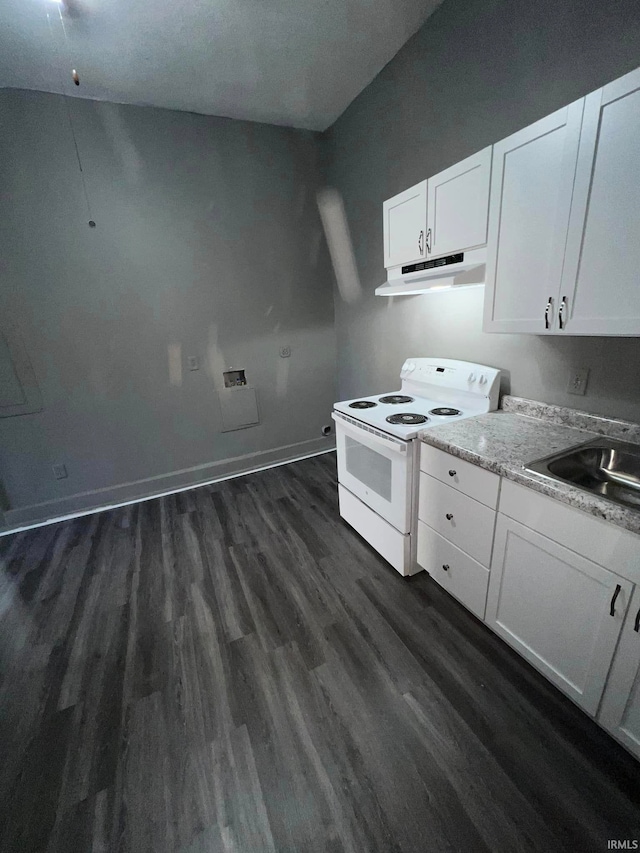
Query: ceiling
{"type": "Point", "coordinates": [288, 62]}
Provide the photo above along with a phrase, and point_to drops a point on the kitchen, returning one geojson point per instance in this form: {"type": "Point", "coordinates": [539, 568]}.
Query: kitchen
{"type": "Point", "coordinates": [456, 703]}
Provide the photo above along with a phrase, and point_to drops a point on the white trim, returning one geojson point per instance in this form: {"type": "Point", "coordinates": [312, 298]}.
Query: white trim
{"type": "Point", "coordinates": [175, 491]}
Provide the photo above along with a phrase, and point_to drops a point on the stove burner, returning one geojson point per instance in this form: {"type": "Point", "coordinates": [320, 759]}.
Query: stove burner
{"type": "Point", "coordinates": [445, 412]}
{"type": "Point", "coordinates": [362, 404]}
{"type": "Point", "coordinates": [396, 398]}
{"type": "Point", "coordinates": [407, 419]}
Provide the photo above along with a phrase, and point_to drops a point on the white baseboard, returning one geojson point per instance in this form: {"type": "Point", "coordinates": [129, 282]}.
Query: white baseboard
{"type": "Point", "coordinates": [86, 503]}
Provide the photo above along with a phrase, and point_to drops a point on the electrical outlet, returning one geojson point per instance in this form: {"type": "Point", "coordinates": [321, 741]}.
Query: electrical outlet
{"type": "Point", "coordinates": [60, 472]}
{"type": "Point", "coordinates": [285, 352]}
{"type": "Point", "coordinates": [193, 363]}
{"type": "Point", "coordinates": [578, 381]}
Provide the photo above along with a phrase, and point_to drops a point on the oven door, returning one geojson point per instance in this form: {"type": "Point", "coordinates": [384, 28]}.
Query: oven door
{"type": "Point", "coordinates": [377, 469]}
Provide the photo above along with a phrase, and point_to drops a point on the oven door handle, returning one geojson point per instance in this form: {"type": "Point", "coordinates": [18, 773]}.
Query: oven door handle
{"type": "Point", "coordinates": [364, 434]}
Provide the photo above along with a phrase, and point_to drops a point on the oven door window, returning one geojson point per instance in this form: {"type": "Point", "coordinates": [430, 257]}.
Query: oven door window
{"type": "Point", "coordinates": [377, 471]}
{"type": "Point", "coordinates": [368, 466]}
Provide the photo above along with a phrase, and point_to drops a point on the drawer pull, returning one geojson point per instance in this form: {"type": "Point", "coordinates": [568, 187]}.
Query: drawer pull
{"type": "Point", "coordinates": [636, 626]}
{"type": "Point", "coordinates": [452, 473]}
{"type": "Point", "coordinates": [445, 566]}
{"type": "Point", "coordinates": [612, 612]}
{"type": "Point", "coordinates": [449, 516]}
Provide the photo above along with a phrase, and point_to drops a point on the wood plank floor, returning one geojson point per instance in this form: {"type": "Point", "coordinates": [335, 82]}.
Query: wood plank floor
{"type": "Point", "coordinates": [234, 669]}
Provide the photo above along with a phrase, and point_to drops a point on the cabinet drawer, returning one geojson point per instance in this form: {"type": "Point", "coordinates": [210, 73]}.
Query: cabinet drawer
{"type": "Point", "coordinates": [479, 484]}
{"type": "Point", "coordinates": [463, 577]}
{"type": "Point", "coordinates": [463, 521]}
{"type": "Point", "coordinates": [593, 538]}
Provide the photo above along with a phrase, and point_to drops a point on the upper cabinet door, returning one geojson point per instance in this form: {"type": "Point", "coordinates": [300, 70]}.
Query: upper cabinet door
{"type": "Point", "coordinates": [405, 226]}
{"type": "Point", "coordinates": [600, 292]}
{"type": "Point", "coordinates": [530, 201]}
{"type": "Point", "coordinates": [458, 205]}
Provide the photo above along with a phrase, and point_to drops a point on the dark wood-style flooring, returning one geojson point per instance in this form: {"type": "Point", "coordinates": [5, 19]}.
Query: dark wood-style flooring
{"type": "Point", "coordinates": [234, 669]}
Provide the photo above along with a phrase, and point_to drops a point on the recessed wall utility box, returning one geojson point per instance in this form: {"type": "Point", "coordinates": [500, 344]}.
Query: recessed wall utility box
{"type": "Point", "coordinates": [239, 407]}
{"type": "Point", "coordinates": [234, 378]}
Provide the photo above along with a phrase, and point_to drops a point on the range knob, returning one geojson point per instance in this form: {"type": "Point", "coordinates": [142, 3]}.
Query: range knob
{"type": "Point", "coordinates": [472, 377]}
{"type": "Point", "coordinates": [483, 379]}
{"type": "Point", "coordinates": [411, 367]}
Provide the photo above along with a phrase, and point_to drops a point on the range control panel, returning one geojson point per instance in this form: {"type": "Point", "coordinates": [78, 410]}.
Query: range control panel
{"type": "Point", "coordinates": [451, 376]}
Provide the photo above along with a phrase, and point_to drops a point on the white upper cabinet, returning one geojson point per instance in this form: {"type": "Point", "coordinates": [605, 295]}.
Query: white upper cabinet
{"type": "Point", "coordinates": [446, 214]}
{"type": "Point", "coordinates": [405, 226]}
{"type": "Point", "coordinates": [458, 206]}
{"type": "Point", "coordinates": [562, 201]}
{"type": "Point", "coordinates": [600, 293]}
{"type": "Point", "coordinates": [530, 202]}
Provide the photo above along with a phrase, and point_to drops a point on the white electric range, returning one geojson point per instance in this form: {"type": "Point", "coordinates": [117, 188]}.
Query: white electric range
{"type": "Point", "coordinates": [378, 447]}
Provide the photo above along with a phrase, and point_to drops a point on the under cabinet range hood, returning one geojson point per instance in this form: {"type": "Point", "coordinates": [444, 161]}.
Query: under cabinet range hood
{"type": "Point", "coordinates": [464, 269]}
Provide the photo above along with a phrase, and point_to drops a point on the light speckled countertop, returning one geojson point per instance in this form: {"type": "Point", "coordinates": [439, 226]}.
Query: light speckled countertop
{"type": "Point", "coordinates": [523, 431]}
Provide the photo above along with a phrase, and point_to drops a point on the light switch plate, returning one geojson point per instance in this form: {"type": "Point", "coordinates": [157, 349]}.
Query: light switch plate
{"type": "Point", "coordinates": [60, 472]}
{"type": "Point", "coordinates": [578, 381]}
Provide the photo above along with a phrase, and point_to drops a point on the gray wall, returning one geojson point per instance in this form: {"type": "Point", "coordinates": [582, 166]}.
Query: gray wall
{"type": "Point", "coordinates": [477, 71]}
{"type": "Point", "coordinates": [207, 238]}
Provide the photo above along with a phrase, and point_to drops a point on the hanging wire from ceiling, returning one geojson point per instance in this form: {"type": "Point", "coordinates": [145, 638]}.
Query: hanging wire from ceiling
{"type": "Point", "coordinates": [76, 79]}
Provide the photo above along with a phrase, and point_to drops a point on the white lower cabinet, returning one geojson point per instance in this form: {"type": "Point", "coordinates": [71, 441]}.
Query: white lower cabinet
{"type": "Point", "coordinates": [565, 595]}
{"type": "Point", "coordinates": [558, 609]}
{"type": "Point", "coordinates": [456, 517]}
{"type": "Point", "coordinates": [462, 520]}
{"type": "Point", "coordinates": [455, 571]}
{"type": "Point", "coordinates": [620, 708]}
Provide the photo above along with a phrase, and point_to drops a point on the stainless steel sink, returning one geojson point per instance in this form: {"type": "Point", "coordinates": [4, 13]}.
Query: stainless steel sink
{"type": "Point", "coordinates": [603, 467]}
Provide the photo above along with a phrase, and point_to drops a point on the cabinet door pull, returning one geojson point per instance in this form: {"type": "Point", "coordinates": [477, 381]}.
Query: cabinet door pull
{"type": "Point", "coordinates": [561, 321]}
{"type": "Point", "coordinates": [452, 473]}
{"type": "Point", "coordinates": [420, 242]}
{"type": "Point", "coordinates": [547, 312]}
{"type": "Point", "coordinates": [429, 240]}
{"type": "Point", "coordinates": [636, 626]}
{"type": "Point", "coordinates": [612, 611]}
{"type": "Point", "coordinates": [449, 516]}
{"type": "Point", "coordinates": [445, 566]}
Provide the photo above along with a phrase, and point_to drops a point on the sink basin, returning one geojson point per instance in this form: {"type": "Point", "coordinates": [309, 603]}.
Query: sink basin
{"type": "Point", "coordinates": [603, 467]}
